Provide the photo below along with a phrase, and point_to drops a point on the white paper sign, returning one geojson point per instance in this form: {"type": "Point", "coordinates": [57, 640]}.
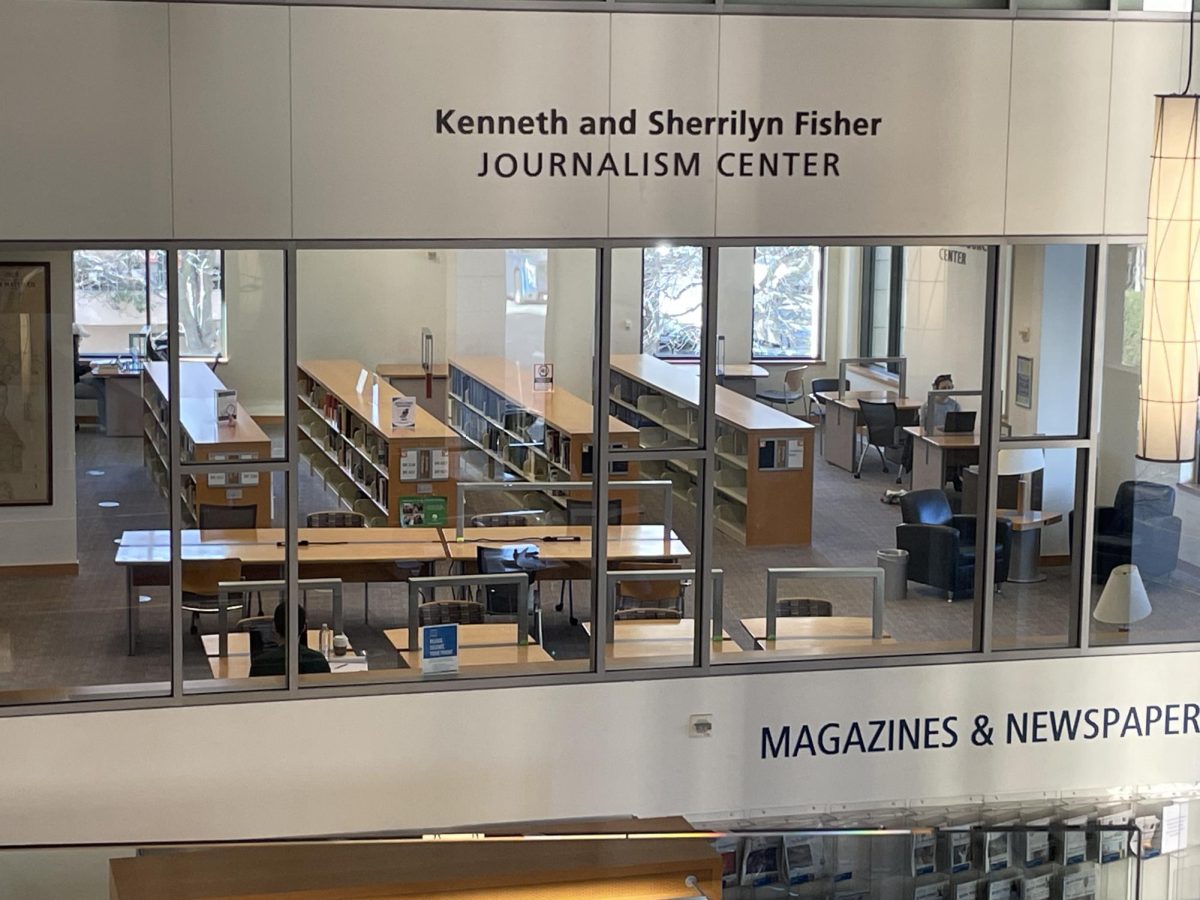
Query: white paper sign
{"type": "Point", "coordinates": [226, 406]}
{"type": "Point", "coordinates": [362, 381]}
{"type": "Point", "coordinates": [440, 470]}
{"type": "Point", "coordinates": [404, 412]}
{"type": "Point", "coordinates": [408, 464]}
{"type": "Point", "coordinates": [1174, 827]}
{"type": "Point", "coordinates": [795, 454]}
{"type": "Point", "coordinates": [543, 378]}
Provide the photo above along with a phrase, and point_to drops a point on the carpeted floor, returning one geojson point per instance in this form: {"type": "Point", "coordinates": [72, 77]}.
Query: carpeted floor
{"type": "Point", "coordinates": [71, 631]}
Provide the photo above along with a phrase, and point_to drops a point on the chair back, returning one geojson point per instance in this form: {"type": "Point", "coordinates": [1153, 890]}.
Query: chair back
{"type": "Point", "coordinates": [446, 612]}
{"type": "Point", "coordinates": [928, 507]}
{"type": "Point", "coordinates": [202, 576]}
{"type": "Point", "coordinates": [802, 606]}
{"type": "Point", "coordinates": [881, 420]}
{"type": "Point", "coordinates": [793, 379]}
{"type": "Point", "coordinates": [582, 512]}
{"type": "Point", "coordinates": [821, 385]}
{"type": "Point", "coordinates": [336, 518]}
{"type": "Point", "coordinates": [498, 599]}
{"type": "Point", "coordinates": [499, 520]}
{"type": "Point", "coordinates": [642, 612]}
{"type": "Point", "coordinates": [210, 515]}
{"type": "Point", "coordinates": [1144, 500]}
{"type": "Point", "coordinates": [261, 630]}
{"type": "Point", "coordinates": [667, 594]}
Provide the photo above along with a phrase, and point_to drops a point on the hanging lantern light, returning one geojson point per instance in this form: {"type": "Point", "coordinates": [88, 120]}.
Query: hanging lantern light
{"type": "Point", "coordinates": [1170, 386]}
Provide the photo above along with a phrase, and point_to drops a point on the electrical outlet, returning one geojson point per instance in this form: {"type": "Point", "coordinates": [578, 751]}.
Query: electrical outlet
{"type": "Point", "coordinates": [700, 725]}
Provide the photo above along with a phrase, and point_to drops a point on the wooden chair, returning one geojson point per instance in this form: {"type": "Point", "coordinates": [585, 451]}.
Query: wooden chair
{"type": "Point", "coordinates": [445, 612]}
{"type": "Point", "coordinates": [201, 586]}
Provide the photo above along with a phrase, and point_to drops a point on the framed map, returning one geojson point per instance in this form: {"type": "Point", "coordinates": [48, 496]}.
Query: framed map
{"type": "Point", "coordinates": [25, 448]}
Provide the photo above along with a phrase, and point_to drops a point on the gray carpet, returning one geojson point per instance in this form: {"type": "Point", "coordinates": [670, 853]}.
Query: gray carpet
{"type": "Point", "coordinates": [66, 631]}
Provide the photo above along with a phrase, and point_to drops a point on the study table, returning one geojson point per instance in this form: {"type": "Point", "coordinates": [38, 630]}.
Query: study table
{"type": "Point", "coordinates": [236, 661]}
{"type": "Point", "coordinates": [353, 554]}
{"type": "Point", "coordinates": [571, 543]}
{"type": "Point", "coordinates": [843, 417]}
{"type": "Point", "coordinates": [934, 453]}
{"type": "Point", "coordinates": [482, 644]}
{"type": "Point", "coordinates": [121, 382]}
{"type": "Point", "coordinates": [741, 378]}
{"type": "Point", "coordinates": [663, 639]}
{"type": "Point", "coordinates": [816, 635]}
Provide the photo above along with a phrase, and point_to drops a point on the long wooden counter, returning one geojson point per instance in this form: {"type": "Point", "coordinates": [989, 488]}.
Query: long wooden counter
{"type": "Point", "coordinates": [764, 471]}
{"type": "Point", "coordinates": [203, 439]}
{"type": "Point", "coordinates": [404, 476]}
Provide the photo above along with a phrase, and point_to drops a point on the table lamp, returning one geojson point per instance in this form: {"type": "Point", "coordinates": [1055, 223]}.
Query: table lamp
{"type": "Point", "coordinates": [1124, 599]}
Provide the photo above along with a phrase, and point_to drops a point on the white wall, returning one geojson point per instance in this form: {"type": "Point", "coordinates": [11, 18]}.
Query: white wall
{"type": "Point", "coordinates": [443, 759]}
{"type": "Point", "coordinates": [571, 319]}
{"type": "Point", "coordinates": [47, 534]}
{"type": "Point", "coordinates": [255, 299]}
{"type": "Point", "coordinates": [236, 120]}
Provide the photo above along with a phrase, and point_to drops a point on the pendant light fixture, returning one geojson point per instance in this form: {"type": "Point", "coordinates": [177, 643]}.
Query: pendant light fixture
{"type": "Point", "coordinates": [1170, 385]}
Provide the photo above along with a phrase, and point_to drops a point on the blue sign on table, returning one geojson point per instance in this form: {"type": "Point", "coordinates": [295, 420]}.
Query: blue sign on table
{"type": "Point", "coordinates": [439, 648]}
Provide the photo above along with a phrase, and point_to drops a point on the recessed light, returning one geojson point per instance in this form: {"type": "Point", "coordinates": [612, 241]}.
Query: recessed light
{"type": "Point", "coordinates": [108, 504]}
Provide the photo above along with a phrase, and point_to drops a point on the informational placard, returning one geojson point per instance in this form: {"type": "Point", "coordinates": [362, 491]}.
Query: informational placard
{"type": "Point", "coordinates": [361, 384]}
{"type": "Point", "coordinates": [1174, 827]}
{"type": "Point", "coordinates": [543, 378]}
{"type": "Point", "coordinates": [226, 406]}
{"type": "Point", "coordinates": [404, 412]}
{"type": "Point", "coordinates": [422, 512]}
{"type": "Point", "coordinates": [795, 454]}
{"type": "Point", "coordinates": [439, 649]}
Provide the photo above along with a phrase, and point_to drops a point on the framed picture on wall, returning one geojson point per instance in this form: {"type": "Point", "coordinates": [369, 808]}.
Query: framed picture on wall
{"type": "Point", "coordinates": [25, 429]}
{"type": "Point", "coordinates": [1024, 391]}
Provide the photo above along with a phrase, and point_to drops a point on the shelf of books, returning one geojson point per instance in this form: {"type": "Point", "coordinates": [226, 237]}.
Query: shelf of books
{"type": "Point", "coordinates": [203, 440]}
{"type": "Point", "coordinates": [764, 475]}
{"type": "Point", "coordinates": [532, 436]}
{"type": "Point", "coordinates": [402, 476]}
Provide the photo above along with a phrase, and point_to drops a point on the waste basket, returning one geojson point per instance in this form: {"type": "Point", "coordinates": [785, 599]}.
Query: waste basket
{"type": "Point", "coordinates": [895, 574]}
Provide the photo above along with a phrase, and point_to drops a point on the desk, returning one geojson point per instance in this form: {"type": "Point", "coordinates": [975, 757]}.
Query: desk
{"type": "Point", "coordinates": [486, 634]}
{"type": "Point", "coordinates": [236, 662]}
{"type": "Point", "coordinates": [484, 644]}
{"type": "Point", "coordinates": [842, 419]}
{"type": "Point", "coordinates": [122, 399]}
{"type": "Point", "coordinates": [934, 453]}
{"type": "Point", "coordinates": [739, 378]}
{"type": "Point", "coordinates": [653, 638]}
{"type": "Point", "coordinates": [625, 542]}
{"type": "Point", "coordinates": [816, 635]}
{"type": "Point", "coordinates": [1027, 542]}
{"type": "Point", "coordinates": [354, 554]}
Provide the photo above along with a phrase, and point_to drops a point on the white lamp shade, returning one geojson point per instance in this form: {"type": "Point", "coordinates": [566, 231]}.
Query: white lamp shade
{"type": "Point", "coordinates": [1020, 462]}
{"type": "Point", "coordinates": [1124, 598]}
{"type": "Point", "coordinates": [1171, 308]}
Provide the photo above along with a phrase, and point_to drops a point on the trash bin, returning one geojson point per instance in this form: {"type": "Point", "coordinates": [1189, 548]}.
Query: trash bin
{"type": "Point", "coordinates": [895, 574]}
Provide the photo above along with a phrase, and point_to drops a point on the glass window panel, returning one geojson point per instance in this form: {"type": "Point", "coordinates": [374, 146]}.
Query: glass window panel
{"type": "Point", "coordinates": [672, 300]}
{"type": "Point", "coordinates": [1147, 513]}
{"type": "Point", "coordinates": [110, 299]}
{"type": "Point", "coordinates": [788, 286]}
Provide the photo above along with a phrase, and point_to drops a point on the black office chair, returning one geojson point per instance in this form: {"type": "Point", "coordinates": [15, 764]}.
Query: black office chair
{"type": "Point", "coordinates": [1140, 528]}
{"type": "Point", "coordinates": [211, 515]}
{"type": "Point", "coordinates": [446, 612]}
{"type": "Point", "coordinates": [501, 599]}
{"type": "Point", "coordinates": [883, 433]}
{"type": "Point", "coordinates": [816, 406]}
{"type": "Point", "coordinates": [582, 512]}
{"type": "Point", "coordinates": [802, 607]}
{"type": "Point", "coordinates": [941, 545]}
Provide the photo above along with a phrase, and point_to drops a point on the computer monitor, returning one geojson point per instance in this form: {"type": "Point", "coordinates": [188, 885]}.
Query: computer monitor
{"type": "Point", "coordinates": [959, 421]}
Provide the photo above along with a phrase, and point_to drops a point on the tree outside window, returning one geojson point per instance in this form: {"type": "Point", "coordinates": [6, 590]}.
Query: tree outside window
{"type": "Point", "coordinates": [787, 303]}
{"type": "Point", "coordinates": [672, 301]}
{"type": "Point", "coordinates": [1131, 326]}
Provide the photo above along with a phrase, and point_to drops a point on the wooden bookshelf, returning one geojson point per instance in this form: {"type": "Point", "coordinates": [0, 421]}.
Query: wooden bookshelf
{"type": "Point", "coordinates": [203, 440]}
{"type": "Point", "coordinates": [532, 436]}
{"type": "Point", "coordinates": [384, 465]}
{"type": "Point", "coordinates": [764, 475]}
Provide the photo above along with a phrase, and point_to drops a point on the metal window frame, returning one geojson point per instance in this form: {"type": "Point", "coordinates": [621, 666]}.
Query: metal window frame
{"type": "Point", "coordinates": [151, 695]}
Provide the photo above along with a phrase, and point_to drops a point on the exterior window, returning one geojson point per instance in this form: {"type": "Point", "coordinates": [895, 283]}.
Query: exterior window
{"type": "Point", "coordinates": [672, 301]}
{"type": "Point", "coordinates": [787, 303]}
{"type": "Point", "coordinates": [121, 292]}
{"type": "Point", "coordinates": [1131, 323]}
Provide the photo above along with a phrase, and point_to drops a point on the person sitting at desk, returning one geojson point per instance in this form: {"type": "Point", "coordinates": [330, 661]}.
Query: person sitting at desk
{"type": "Point", "coordinates": [87, 385]}
{"type": "Point", "coordinates": [273, 660]}
{"type": "Point", "coordinates": [937, 419]}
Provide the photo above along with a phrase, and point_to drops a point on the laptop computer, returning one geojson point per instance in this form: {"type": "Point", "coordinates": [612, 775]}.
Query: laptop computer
{"type": "Point", "coordinates": [959, 421]}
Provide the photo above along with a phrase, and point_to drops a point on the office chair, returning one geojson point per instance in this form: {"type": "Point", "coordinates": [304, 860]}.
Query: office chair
{"type": "Point", "coordinates": [941, 545]}
{"type": "Point", "coordinates": [793, 390]}
{"type": "Point", "coordinates": [883, 433]}
{"type": "Point", "coordinates": [213, 516]}
{"type": "Point", "coordinates": [801, 607]}
{"type": "Point", "coordinates": [820, 386]}
{"type": "Point", "coordinates": [582, 512]}
{"type": "Point", "coordinates": [446, 612]}
{"type": "Point", "coordinates": [201, 586]}
{"type": "Point", "coordinates": [518, 518]}
{"type": "Point", "coordinates": [641, 612]}
{"type": "Point", "coordinates": [501, 599]}
{"type": "Point", "coordinates": [343, 518]}
{"type": "Point", "coordinates": [1139, 528]}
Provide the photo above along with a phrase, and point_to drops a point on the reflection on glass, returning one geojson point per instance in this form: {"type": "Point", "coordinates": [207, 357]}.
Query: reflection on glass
{"type": "Point", "coordinates": [1145, 511]}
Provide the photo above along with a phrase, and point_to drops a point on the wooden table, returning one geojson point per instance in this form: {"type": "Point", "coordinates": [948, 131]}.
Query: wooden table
{"type": "Point", "coordinates": [485, 644]}
{"type": "Point", "coordinates": [1027, 542]}
{"type": "Point", "coordinates": [816, 635]}
{"type": "Point", "coordinates": [625, 542]}
{"type": "Point", "coordinates": [355, 554]}
{"type": "Point", "coordinates": [122, 386]}
{"type": "Point", "coordinates": [843, 418]}
{"type": "Point", "coordinates": [659, 638]}
{"type": "Point", "coordinates": [741, 378]}
{"type": "Point", "coordinates": [934, 453]}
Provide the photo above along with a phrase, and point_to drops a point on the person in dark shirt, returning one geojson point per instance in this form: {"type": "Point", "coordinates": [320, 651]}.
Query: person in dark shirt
{"type": "Point", "coordinates": [273, 660]}
{"type": "Point", "coordinates": [87, 385]}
